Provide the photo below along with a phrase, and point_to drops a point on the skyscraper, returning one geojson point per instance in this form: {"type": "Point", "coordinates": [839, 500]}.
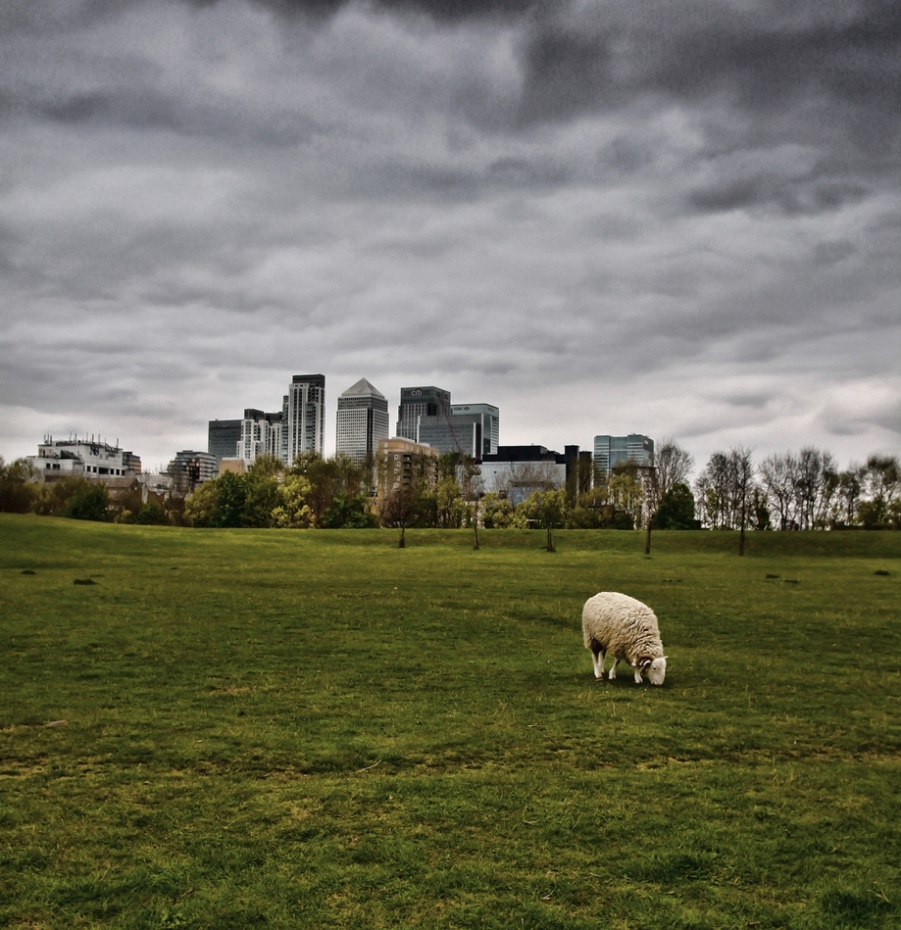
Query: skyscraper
{"type": "Point", "coordinates": [468, 428]}
{"type": "Point", "coordinates": [426, 415]}
{"type": "Point", "coordinates": [260, 435]}
{"type": "Point", "coordinates": [362, 421]}
{"type": "Point", "coordinates": [416, 402]}
{"type": "Point", "coordinates": [223, 438]}
{"type": "Point", "coordinates": [634, 449]}
{"type": "Point", "coordinates": [303, 417]}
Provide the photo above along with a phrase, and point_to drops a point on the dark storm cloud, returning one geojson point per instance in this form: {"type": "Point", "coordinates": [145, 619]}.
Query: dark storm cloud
{"type": "Point", "coordinates": [762, 57]}
{"type": "Point", "coordinates": [791, 195]}
{"type": "Point", "coordinates": [447, 10]}
{"type": "Point", "coordinates": [49, 16]}
{"type": "Point", "coordinates": [668, 215]}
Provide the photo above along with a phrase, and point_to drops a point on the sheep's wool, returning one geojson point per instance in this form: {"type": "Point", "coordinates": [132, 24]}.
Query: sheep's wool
{"type": "Point", "coordinates": [627, 630]}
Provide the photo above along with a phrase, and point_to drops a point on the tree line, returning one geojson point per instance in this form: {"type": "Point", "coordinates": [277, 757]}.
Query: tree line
{"type": "Point", "coordinates": [790, 491]}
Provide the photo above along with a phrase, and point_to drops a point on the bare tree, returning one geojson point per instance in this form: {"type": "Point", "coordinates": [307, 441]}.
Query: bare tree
{"type": "Point", "coordinates": [777, 474]}
{"type": "Point", "coordinates": [813, 485]}
{"type": "Point", "coordinates": [742, 469]}
{"type": "Point", "coordinates": [850, 490]}
{"type": "Point", "coordinates": [725, 491]}
{"type": "Point", "coordinates": [713, 492]}
{"type": "Point", "coordinates": [673, 465]}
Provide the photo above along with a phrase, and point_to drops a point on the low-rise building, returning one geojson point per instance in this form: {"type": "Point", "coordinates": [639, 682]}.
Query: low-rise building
{"type": "Point", "coordinates": [83, 458]}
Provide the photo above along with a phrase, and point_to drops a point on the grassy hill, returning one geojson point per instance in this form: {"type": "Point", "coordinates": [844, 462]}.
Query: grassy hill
{"type": "Point", "coordinates": [222, 729]}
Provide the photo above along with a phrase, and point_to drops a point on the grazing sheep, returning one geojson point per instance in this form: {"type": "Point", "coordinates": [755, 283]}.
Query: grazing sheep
{"type": "Point", "coordinates": [627, 629]}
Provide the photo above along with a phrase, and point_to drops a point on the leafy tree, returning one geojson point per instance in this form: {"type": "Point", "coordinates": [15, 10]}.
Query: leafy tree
{"type": "Point", "coordinates": [349, 512]}
{"type": "Point", "coordinates": [546, 509]}
{"type": "Point", "coordinates": [293, 508]}
{"type": "Point", "coordinates": [497, 511]}
{"type": "Point", "coordinates": [677, 509]}
{"type": "Point", "coordinates": [592, 510]}
{"type": "Point", "coordinates": [261, 496]}
{"type": "Point", "coordinates": [231, 499]}
{"type": "Point", "coordinates": [90, 502]}
{"type": "Point", "coordinates": [330, 478]}
{"type": "Point", "coordinates": [626, 491]}
{"type": "Point", "coordinates": [449, 505]}
{"type": "Point", "coordinates": [202, 507]}
{"type": "Point", "coordinates": [152, 514]}
{"type": "Point", "coordinates": [18, 490]}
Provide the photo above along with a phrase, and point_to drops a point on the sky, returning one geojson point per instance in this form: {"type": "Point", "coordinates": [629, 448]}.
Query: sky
{"type": "Point", "coordinates": [680, 218]}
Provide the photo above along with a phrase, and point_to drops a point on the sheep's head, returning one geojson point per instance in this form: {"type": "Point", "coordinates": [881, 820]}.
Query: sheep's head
{"type": "Point", "coordinates": [655, 669]}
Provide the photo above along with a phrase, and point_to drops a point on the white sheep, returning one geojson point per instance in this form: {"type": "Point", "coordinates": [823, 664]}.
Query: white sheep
{"type": "Point", "coordinates": [627, 629]}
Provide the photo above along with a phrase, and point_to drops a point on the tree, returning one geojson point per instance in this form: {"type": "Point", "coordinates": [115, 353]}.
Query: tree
{"type": "Point", "coordinates": [90, 502]}
{"type": "Point", "coordinates": [851, 483]}
{"type": "Point", "coordinates": [405, 483]}
{"type": "Point", "coordinates": [348, 511]}
{"type": "Point", "coordinates": [497, 511]}
{"type": "Point", "coordinates": [882, 509]}
{"type": "Point", "coordinates": [777, 474]}
{"type": "Point", "coordinates": [742, 469]}
{"type": "Point", "coordinates": [815, 484]}
{"type": "Point", "coordinates": [673, 465]}
{"type": "Point", "coordinates": [152, 514]}
{"type": "Point", "coordinates": [201, 507]}
{"type": "Point", "coordinates": [677, 509]}
{"type": "Point", "coordinates": [448, 499]}
{"type": "Point", "coordinates": [546, 509]}
{"type": "Point", "coordinates": [231, 499]}
{"type": "Point", "coordinates": [293, 508]}
{"type": "Point", "coordinates": [725, 492]}
{"type": "Point", "coordinates": [627, 492]}
{"type": "Point", "coordinates": [592, 510]}
{"type": "Point", "coordinates": [18, 490]}
{"type": "Point", "coordinates": [261, 497]}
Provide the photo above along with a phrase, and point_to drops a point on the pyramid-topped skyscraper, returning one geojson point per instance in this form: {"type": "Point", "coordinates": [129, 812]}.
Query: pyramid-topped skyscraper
{"type": "Point", "coordinates": [362, 421]}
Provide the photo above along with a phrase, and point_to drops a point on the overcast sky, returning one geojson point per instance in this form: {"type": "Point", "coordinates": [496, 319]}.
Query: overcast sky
{"type": "Point", "coordinates": [673, 217]}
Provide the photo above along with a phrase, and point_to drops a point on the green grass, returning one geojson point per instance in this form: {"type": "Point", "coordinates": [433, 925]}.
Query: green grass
{"type": "Point", "coordinates": [316, 729]}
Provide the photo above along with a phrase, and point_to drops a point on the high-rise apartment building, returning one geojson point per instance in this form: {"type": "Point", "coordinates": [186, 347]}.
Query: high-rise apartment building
{"type": "Point", "coordinates": [362, 421]}
{"type": "Point", "coordinates": [261, 434]}
{"type": "Point", "coordinates": [303, 417]}
{"type": "Point", "coordinates": [610, 451]}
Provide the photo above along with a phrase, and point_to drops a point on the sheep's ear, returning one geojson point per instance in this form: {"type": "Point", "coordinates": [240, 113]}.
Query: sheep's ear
{"type": "Point", "coordinates": [645, 663]}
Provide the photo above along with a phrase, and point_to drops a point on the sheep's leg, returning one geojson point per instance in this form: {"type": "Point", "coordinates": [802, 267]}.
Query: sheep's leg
{"type": "Point", "coordinates": [638, 678]}
{"type": "Point", "coordinates": [597, 657]}
{"type": "Point", "coordinates": [612, 673]}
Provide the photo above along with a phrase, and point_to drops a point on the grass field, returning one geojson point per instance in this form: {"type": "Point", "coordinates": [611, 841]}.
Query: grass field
{"type": "Point", "coordinates": [229, 729]}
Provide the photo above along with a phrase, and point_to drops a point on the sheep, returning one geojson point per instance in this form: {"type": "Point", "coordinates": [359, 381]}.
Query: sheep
{"type": "Point", "coordinates": [627, 629]}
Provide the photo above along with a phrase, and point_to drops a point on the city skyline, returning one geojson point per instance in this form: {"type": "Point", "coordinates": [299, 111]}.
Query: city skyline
{"type": "Point", "coordinates": [327, 424]}
{"type": "Point", "coordinates": [676, 218]}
